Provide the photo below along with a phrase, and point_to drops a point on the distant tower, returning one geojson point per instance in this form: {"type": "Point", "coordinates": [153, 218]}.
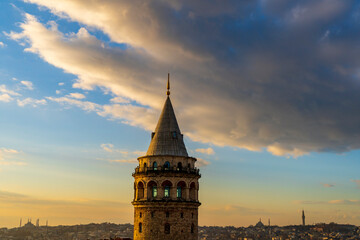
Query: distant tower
{"type": "Point", "coordinates": [20, 222]}
{"type": "Point", "coordinates": [166, 185]}
{"type": "Point", "coordinates": [37, 222]}
{"type": "Point", "coordinates": [303, 218]}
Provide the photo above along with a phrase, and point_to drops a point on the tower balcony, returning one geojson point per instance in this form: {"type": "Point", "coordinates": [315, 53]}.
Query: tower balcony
{"type": "Point", "coordinates": [163, 170]}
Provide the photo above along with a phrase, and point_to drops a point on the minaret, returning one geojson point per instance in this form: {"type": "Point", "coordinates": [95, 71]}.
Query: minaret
{"type": "Point", "coordinates": [20, 221]}
{"type": "Point", "coordinates": [303, 218]}
{"type": "Point", "coordinates": [166, 184]}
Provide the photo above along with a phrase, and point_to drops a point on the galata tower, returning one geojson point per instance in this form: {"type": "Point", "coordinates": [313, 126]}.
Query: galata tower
{"type": "Point", "coordinates": [166, 185]}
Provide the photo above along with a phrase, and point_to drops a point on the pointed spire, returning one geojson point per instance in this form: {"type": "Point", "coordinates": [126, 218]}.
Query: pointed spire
{"type": "Point", "coordinates": [167, 138]}
{"type": "Point", "coordinates": [168, 85]}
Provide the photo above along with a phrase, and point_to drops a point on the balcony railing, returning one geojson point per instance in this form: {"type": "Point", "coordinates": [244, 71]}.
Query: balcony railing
{"type": "Point", "coordinates": [165, 170]}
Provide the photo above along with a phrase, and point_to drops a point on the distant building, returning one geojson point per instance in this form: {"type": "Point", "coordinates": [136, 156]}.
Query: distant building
{"type": "Point", "coordinates": [166, 185]}
{"type": "Point", "coordinates": [303, 218]}
{"type": "Point", "coordinates": [259, 224]}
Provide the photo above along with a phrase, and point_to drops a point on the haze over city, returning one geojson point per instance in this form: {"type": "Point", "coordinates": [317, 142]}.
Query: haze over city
{"type": "Point", "coordinates": [266, 94]}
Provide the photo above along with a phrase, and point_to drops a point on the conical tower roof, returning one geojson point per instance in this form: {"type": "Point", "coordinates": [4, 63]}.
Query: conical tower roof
{"type": "Point", "coordinates": [167, 138]}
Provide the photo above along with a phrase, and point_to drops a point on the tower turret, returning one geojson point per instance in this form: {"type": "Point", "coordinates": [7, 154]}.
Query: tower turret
{"type": "Point", "coordinates": [166, 184]}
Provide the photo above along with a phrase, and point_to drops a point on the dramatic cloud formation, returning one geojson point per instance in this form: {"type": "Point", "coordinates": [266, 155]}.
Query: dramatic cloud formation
{"type": "Point", "coordinates": [280, 75]}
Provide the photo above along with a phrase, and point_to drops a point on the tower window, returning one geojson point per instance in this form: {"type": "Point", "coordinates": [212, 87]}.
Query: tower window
{"type": "Point", "coordinates": [141, 214]}
{"type": "Point", "coordinates": [167, 228]}
{"type": "Point", "coordinates": [192, 228]}
{"type": "Point", "coordinates": [192, 215]}
{"type": "Point", "coordinates": [178, 192]}
{"type": "Point", "coordinates": [179, 166]}
{"type": "Point", "coordinates": [152, 214]}
{"type": "Point", "coordinates": [167, 214]}
{"type": "Point", "coordinates": [167, 191]}
{"type": "Point", "coordinates": [174, 135]}
{"type": "Point", "coordinates": [140, 227]}
{"type": "Point", "coordinates": [155, 166]}
{"type": "Point", "coordinates": [182, 215]}
{"type": "Point", "coordinates": [167, 166]}
{"type": "Point", "coordinates": [154, 191]}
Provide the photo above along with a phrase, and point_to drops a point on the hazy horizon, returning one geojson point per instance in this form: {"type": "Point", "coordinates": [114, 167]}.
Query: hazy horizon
{"type": "Point", "coordinates": [265, 92]}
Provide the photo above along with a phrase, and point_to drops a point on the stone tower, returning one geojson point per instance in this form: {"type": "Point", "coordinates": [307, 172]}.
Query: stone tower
{"type": "Point", "coordinates": [303, 218]}
{"type": "Point", "coordinates": [166, 185]}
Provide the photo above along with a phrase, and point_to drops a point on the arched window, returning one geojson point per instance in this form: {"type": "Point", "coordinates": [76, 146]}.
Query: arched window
{"type": "Point", "coordinates": [152, 190]}
{"type": "Point", "coordinates": [167, 186]}
{"type": "Point", "coordinates": [192, 228]}
{"type": "Point", "coordinates": [167, 166]}
{"type": "Point", "coordinates": [179, 166]}
{"type": "Point", "coordinates": [179, 190]}
{"type": "Point", "coordinates": [140, 190]}
{"type": "Point", "coordinates": [167, 191]}
{"type": "Point", "coordinates": [192, 192]}
{"type": "Point", "coordinates": [140, 227]}
{"type": "Point", "coordinates": [167, 228]}
{"type": "Point", "coordinates": [189, 166]}
{"type": "Point", "coordinates": [155, 166]}
{"type": "Point", "coordinates": [145, 167]}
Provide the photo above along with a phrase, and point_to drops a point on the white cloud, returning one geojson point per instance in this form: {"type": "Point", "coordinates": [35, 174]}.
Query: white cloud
{"type": "Point", "coordinates": [14, 79]}
{"type": "Point", "coordinates": [76, 95]}
{"type": "Point", "coordinates": [201, 162]}
{"type": "Point", "coordinates": [61, 84]}
{"type": "Point", "coordinates": [3, 89]}
{"type": "Point", "coordinates": [85, 105]}
{"type": "Point", "coordinates": [119, 100]}
{"type": "Point", "coordinates": [30, 101]}
{"type": "Point", "coordinates": [208, 151]}
{"type": "Point", "coordinates": [107, 147]}
{"type": "Point", "coordinates": [2, 45]}
{"type": "Point", "coordinates": [5, 97]}
{"type": "Point", "coordinates": [29, 85]}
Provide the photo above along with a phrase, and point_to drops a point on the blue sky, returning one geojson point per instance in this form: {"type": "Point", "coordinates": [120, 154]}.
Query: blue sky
{"type": "Point", "coordinates": [265, 92]}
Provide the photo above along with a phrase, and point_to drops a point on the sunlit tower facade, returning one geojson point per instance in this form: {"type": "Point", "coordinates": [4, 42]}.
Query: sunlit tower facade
{"type": "Point", "coordinates": [166, 185]}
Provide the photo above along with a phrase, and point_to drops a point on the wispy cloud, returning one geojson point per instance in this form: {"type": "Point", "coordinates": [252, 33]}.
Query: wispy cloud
{"type": "Point", "coordinates": [108, 147]}
{"type": "Point", "coordinates": [2, 45]}
{"type": "Point", "coordinates": [31, 101]}
{"type": "Point", "coordinates": [7, 157]}
{"type": "Point", "coordinates": [29, 85]}
{"type": "Point", "coordinates": [5, 97]}
{"type": "Point", "coordinates": [201, 162]}
{"type": "Point", "coordinates": [76, 95]}
{"type": "Point", "coordinates": [208, 151]}
{"type": "Point", "coordinates": [5, 90]}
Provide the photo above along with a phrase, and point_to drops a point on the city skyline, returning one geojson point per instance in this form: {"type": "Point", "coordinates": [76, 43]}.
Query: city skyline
{"type": "Point", "coordinates": [266, 93]}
